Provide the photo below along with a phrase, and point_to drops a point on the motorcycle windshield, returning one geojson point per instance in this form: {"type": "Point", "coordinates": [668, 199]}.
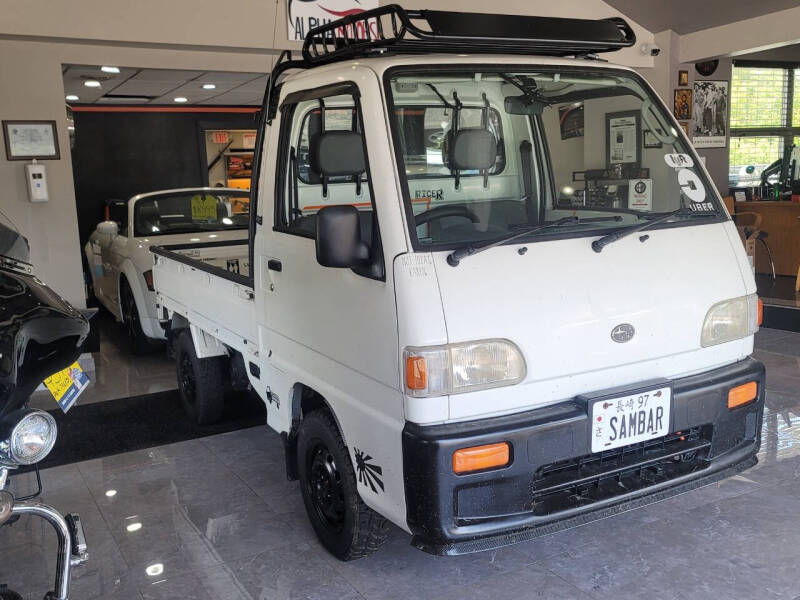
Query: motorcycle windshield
{"type": "Point", "coordinates": [13, 245]}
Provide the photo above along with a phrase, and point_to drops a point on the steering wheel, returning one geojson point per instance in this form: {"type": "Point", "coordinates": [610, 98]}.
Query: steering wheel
{"type": "Point", "coordinates": [441, 212]}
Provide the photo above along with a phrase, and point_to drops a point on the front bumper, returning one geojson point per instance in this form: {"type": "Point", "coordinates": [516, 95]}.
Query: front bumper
{"type": "Point", "coordinates": [554, 481]}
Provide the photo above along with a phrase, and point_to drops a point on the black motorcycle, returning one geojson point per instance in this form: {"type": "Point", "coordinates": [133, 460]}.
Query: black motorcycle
{"type": "Point", "coordinates": [40, 334]}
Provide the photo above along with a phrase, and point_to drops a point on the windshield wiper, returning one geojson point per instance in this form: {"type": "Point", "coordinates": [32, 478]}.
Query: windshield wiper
{"type": "Point", "coordinates": [456, 255]}
{"type": "Point", "coordinates": [604, 241]}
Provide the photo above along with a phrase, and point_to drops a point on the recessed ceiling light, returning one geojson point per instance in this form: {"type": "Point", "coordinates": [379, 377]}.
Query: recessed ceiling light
{"type": "Point", "coordinates": [93, 83]}
{"type": "Point", "coordinates": [72, 97]}
{"type": "Point", "coordinates": [209, 86]}
{"type": "Point", "coordinates": [111, 493]}
{"type": "Point", "coordinates": [155, 569]}
{"type": "Point", "coordinates": [134, 527]}
{"type": "Point", "coordinates": [109, 69]}
{"type": "Point", "coordinates": [180, 99]}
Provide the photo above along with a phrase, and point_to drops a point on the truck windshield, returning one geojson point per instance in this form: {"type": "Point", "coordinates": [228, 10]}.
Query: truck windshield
{"type": "Point", "coordinates": [486, 153]}
{"type": "Point", "coordinates": [191, 212]}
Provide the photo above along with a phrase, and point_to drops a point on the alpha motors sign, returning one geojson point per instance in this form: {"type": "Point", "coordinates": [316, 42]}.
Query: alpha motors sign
{"type": "Point", "coordinates": [304, 15]}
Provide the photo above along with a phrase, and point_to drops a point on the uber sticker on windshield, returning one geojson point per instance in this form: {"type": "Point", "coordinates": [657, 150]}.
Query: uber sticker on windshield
{"type": "Point", "coordinates": [679, 161]}
{"type": "Point", "coordinates": [690, 183]}
{"type": "Point", "coordinates": [640, 194]}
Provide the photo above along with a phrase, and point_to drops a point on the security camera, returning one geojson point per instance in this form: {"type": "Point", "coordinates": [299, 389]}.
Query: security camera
{"type": "Point", "coordinates": [651, 49]}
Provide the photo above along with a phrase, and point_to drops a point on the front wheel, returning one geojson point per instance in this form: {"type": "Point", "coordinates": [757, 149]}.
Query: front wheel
{"type": "Point", "coordinates": [345, 526]}
{"type": "Point", "coordinates": [202, 382]}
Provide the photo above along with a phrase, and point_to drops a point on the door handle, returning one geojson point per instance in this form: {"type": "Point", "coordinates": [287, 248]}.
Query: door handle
{"type": "Point", "coordinates": [274, 265]}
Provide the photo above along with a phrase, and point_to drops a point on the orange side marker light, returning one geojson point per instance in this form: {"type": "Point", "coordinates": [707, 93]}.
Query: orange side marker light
{"type": "Point", "coordinates": [742, 394]}
{"type": "Point", "coordinates": [479, 458]}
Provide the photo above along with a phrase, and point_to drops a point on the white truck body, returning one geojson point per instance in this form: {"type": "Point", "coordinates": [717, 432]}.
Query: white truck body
{"type": "Point", "coordinates": [347, 337]}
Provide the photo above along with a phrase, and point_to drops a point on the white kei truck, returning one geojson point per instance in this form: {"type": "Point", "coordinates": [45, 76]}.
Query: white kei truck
{"type": "Point", "coordinates": [494, 293]}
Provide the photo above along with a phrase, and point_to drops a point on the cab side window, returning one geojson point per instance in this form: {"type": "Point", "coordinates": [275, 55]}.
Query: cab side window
{"type": "Point", "coordinates": [323, 158]}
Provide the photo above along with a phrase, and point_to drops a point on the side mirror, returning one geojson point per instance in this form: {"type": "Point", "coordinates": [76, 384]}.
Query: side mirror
{"type": "Point", "coordinates": [338, 238]}
{"type": "Point", "coordinates": [108, 228]}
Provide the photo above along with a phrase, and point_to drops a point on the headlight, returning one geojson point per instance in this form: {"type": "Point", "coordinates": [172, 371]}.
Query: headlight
{"type": "Point", "coordinates": [464, 367]}
{"type": "Point", "coordinates": [32, 438]}
{"type": "Point", "coordinates": [730, 320]}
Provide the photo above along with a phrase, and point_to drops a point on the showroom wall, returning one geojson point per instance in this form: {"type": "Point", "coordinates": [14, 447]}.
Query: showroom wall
{"type": "Point", "coordinates": [108, 161]}
{"type": "Point", "coordinates": [32, 88]}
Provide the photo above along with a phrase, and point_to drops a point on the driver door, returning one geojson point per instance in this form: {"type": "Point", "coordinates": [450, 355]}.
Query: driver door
{"type": "Point", "coordinates": [333, 330]}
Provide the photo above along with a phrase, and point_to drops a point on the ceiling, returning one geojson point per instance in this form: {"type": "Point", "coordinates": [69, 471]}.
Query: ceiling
{"type": "Point", "coordinates": [687, 16]}
{"type": "Point", "coordinates": [162, 86]}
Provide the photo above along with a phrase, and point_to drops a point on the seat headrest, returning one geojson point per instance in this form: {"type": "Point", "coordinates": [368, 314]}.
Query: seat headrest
{"type": "Point", "coordinates": [338, 153]}
{"type": "Point", "coordinates": [473, 149]}
{"type": "Point", "coordinates": [148, 212]}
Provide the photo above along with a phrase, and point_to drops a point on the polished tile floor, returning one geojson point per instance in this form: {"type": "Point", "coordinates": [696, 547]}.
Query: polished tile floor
{"type": "Point", "coordinates": [215, 518]}
{"type": "Point", "coordinates": [118, 372]}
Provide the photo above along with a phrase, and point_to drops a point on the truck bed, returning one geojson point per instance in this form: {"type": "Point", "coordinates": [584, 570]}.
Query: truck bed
{"type": "Point", "coordinates": [190, 280]}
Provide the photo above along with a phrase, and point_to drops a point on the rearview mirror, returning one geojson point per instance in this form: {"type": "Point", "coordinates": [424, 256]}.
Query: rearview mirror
{"type": "Point", "coordinates": [338, 238]}
{"type": "Point", "coordinates": [523, 105]}
{"type": "Point", "coordinates": [108, 228]}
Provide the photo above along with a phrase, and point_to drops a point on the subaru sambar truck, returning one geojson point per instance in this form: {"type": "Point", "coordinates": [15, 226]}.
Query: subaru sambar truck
{"type": "Point", "coordinates": [493, 291]}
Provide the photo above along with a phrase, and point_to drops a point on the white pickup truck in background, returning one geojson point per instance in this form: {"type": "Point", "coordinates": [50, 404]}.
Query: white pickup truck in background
{"type": "Point", "coordinates": [470, 313]}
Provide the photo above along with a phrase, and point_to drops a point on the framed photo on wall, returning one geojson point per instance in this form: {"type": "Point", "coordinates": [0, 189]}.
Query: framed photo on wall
{"type": "Point", "coordinates": [571, 120]}
{"type": "Point", "coordinates": [28, 140]}
{"type": "Point", "coordinates": [624, 138]}
{"type": "Point", "coordinates": [683, 105]}
{"type": "Point", "coordinates": [683, 78]}
{"type": "Point", "coordinates": [710, 118]}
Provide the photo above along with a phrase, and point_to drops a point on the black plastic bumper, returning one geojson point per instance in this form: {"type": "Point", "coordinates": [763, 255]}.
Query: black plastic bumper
{"type": "Point", "coordinates": [555, 482]}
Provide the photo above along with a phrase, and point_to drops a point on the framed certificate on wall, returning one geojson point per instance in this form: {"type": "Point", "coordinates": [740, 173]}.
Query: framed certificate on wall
{"type": "Point", "coordinates": [623, 138]}
{"type": "Point", "coordinates": [26, 140]}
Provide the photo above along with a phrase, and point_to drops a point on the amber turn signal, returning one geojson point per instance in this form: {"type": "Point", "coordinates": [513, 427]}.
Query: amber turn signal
{"type": "Point", "coordinates": [760, 312]}
{"type": "Point", "coordinates": [742, 394]}
{"type": "Point", "coordinates": [479, 458]}
{"type": "Point", "coordinates": [416, 375]}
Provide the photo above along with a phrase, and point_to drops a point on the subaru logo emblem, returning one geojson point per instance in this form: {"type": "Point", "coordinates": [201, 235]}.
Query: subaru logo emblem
{"type": "Point", "coordinates": [622, 333]}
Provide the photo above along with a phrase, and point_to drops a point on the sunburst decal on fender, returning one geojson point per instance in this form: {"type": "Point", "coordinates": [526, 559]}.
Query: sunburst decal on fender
{"type": "Point", "coordinates": [368, 474]}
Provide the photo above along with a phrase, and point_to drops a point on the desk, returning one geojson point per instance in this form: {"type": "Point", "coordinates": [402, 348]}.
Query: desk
{"type": "Point", "coordinates": [780, 221]}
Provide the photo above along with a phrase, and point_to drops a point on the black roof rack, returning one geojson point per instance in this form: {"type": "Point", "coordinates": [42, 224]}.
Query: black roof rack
{"type": "Point", "coordinates": [393, 29]}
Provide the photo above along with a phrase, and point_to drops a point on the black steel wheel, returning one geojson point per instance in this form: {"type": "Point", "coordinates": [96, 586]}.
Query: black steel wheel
{"type": "Point", "coordinates": [186, 379]}
{"type": "Point", "coordinates": [325, 483]}
{"type": "Point", "coordinates": [202, 382]}
{"type": "Point", "coordinates": [345, 526]}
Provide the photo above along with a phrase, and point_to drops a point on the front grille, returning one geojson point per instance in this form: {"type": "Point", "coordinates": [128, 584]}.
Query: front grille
{"type": "Point", "coordinates": [580, 481]}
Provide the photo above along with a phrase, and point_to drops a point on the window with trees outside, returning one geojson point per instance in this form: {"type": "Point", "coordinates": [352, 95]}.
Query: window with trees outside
{"type": "Point", "coordinates": [765, 118]}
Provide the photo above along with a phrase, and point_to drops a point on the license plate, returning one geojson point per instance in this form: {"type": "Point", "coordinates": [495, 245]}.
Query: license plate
{"type": "Point", "coordinates": [625, 420]}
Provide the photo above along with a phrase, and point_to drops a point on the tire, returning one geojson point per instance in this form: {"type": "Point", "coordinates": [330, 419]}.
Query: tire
{"type": "Point", "coordinates": [202, 382]}
{"type": "Point", "coordinates": [133, 325]}
{"type": "Point", "coordinates": [345, 526]}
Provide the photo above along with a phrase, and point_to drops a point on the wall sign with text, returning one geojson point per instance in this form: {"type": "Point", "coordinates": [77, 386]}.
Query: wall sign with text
{"type": "Point", "coordinates": [304, 15]}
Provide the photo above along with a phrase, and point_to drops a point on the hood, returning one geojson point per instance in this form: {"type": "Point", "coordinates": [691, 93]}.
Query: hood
{"type": "Point", "coordinates": [560, 301]}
